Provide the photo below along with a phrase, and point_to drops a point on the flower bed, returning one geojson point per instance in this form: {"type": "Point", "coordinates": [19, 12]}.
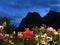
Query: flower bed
{"type": "Point", "coordinates": [38, 36]}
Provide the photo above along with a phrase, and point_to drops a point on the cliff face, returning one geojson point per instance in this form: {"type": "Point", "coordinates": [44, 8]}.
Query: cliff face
{"type": "Point", "coordinates": [31, 20]}
{"type": "Point", "coordinates": [34, 19]}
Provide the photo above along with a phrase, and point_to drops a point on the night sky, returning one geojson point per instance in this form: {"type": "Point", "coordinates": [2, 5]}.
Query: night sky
{"type": "Point", "coordinates": [18, 9]}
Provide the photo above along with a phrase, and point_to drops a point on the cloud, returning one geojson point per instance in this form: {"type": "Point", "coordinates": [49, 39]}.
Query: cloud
{"type": "Point", "coordinates": [27, 4]}
{"type": "Point", "coordinates": [20, 8]}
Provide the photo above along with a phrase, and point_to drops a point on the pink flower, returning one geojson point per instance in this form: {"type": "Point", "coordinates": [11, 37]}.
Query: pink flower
{"type": "Point", "coordinates": [1, 37]}
{"type": "Point", "coordinates": [28, 34]}
{"type": "Point", "coordinates": [45, 36]}
{"type": "Point", "coordinates": [49, 29]}
{"type": "Point", "coordinates": [54, 30]}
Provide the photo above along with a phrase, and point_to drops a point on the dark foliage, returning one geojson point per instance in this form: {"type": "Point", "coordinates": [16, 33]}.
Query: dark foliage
{"type": "Point", "coordinates": [3, 19]}
{"type": "Point", "coordinates": [9, 29]}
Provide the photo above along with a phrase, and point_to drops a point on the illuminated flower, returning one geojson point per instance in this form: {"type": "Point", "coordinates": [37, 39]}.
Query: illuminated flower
{"type": "Point", "coordinates": [20, 35]}
{"type": "Point", "coordinates": [6, 35]}
{"type": "Point", "coordinates": [56, 32]}
{"type": "Point", "coordinates": [1, 37]}
{"type": "Point", "coordinates": [14, 32]}
{"type": "Point", "coordinates": [11, 42]}
{"type": "Point", "coordinates": [1, 27]}
{"type": "Point", "coordinates": [45, 36]}
{"type": "Point", "coordinates": [28, 34]}
{"type": "Point", "coordinates": [36, 37]}
{"type": "Point", "coordinates": [49, 29]}
{"type": "Point", "coordinates": [11, 36]}
{"type": "Point", "coordinates": [49, 38]}
{"type": "Point", "coordinates": [42, 27]}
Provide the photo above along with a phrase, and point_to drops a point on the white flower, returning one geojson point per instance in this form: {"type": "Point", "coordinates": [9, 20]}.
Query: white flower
{"type": "Point", "coordinates": [51, 28]}
{"type": "Point", "coordinates": [1, 27]}
{"type": "Point", "coordinates": [55, 32]}
{"type": "Point", "coordinates": [49, 38]}
{"type": "Point", "coordinates": [14, 32]}
{"type": "Point", "coordinates": [11, 36]}
{"type": "Point", "coordinates": [36, 35]}
{"type": "Point", "coordinates": [6, 35]}
{"type": "Point", "coordinates": [44, 36]}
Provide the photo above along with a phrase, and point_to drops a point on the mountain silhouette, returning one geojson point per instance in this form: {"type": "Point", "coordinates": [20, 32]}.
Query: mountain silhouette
{"type": "Point", "coordinates": [34, 19]}
{"type": "Point", "coordinates": [31, 20]}
{"type": "Point", "coordinates": [52, 19]}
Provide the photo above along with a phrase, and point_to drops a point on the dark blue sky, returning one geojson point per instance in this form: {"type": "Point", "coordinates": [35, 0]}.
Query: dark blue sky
{"type": "Point", "coordinates": [17, 9]}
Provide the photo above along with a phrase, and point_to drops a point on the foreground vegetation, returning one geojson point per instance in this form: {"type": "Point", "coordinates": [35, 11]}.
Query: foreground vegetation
{"type": "Point", "coordinates": [38, 36]}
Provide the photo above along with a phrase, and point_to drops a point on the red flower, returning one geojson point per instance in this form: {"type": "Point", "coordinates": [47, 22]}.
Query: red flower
{"type": "Point", "coordinates": [1, 37]}
{"type": "Point", "coordinates": [28, 34]}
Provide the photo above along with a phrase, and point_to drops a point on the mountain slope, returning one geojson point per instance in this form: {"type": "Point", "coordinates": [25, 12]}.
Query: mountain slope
{"type": "Point", "coordinates": [52, 19]}
{"type": "Point", "coordinates": [31, 20]}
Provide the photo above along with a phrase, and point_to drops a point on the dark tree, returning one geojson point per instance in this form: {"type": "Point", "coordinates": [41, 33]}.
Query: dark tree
{"type": "Point", "coordinates": [8, 28]}
{"type": "Point", "coordinates": [3, 19]}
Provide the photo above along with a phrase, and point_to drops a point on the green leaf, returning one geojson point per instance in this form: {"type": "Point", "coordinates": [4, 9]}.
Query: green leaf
{"type": "Point", "coordinates": [4, 24]}
{"type": "Point", "coordinates": [35, 29]}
